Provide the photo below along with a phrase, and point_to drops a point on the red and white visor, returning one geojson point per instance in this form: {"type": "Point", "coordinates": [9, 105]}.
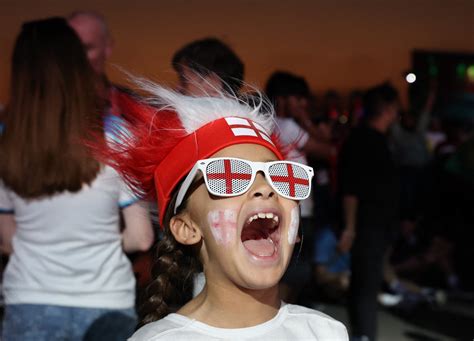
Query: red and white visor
{"type": "Point", "coordinates": [200, 145]}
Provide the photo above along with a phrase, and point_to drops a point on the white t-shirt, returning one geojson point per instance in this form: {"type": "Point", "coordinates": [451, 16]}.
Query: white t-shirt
{"type": "Point", "coordinates": [67, 248]}
{"type": "Point", "coordinates": [292, 135]}
{"type": "Point", "coordinates": [292, 322]}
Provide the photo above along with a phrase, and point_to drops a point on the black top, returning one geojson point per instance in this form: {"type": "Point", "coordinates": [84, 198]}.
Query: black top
{"type": "Point", "coordinates": [367, 171]}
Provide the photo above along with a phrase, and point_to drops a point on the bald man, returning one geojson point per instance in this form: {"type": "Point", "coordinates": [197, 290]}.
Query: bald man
{"type": "Point", "coordinates": [94, 34]}
{"type": "Point", "coordinates": [92, 29]}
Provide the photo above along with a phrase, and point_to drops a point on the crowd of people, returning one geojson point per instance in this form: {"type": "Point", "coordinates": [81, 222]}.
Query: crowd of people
{"type": "Point", "coordinates": [121, 208]}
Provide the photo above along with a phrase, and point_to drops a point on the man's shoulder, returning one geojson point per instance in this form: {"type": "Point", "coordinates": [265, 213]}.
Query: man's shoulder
{"type": "Point", "coordinates": [290, 132]}
{"type": "Point", "coordinates": [287, 123]}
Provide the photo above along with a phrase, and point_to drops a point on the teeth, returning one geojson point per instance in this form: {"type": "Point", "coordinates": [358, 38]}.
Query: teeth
{"type": "Point", "coordinates": [262, 215]}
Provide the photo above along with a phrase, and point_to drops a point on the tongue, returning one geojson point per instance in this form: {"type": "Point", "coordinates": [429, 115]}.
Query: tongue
{"type": "Point", "coordinates": [260, 247]}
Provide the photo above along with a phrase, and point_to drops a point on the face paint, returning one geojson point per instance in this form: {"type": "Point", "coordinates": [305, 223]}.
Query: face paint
{"type": "Point", "coordinates": [294, 224]}
{"type": "Point", "coordinates": [223, 224]}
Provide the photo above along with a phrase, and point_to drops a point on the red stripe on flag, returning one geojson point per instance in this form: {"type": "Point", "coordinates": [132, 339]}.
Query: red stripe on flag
{"type": "Point", "coordinates": [251, 126]}
{"type": "Point", "coordinates": [291, 179]}
{"type": "Point", "coordinates": [228, 176]}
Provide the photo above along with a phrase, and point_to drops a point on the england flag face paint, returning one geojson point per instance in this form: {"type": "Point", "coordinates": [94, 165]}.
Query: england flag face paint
{"type": "Point", "coordinates": [223, 225]}
{"type": "Point", "coordinates": [294, 224]}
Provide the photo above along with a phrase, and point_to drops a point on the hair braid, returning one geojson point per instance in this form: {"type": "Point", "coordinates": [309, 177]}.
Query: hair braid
{"type": "Point", "coordinates": [173, 272]}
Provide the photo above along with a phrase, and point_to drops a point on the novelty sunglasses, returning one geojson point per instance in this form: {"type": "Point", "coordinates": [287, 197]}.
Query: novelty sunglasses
{"type": "Point", "coordinates": [230, 177]}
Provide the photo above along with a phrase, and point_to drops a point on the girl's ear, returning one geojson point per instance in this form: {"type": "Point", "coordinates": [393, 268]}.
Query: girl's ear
{"type": "Point", "coordinates": [185, 230]}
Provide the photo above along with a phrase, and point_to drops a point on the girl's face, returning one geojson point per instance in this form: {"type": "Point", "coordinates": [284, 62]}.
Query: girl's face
{"type": "Point", "coordinates": [248, 239]}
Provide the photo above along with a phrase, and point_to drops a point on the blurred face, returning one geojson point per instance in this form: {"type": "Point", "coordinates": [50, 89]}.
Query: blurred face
{"type": "Point", "coordinates": [194, 84]}
{"type": "Point", "coordinates": [324, 131]}
{"type": "Point", "coordinates": [247, 239]}
{"type": "Point", "coordinates": [96, 42]}
{"type": "Point", "coordinates": [296, 106]}
{"type": "Point", "coordinates": [392, 112]}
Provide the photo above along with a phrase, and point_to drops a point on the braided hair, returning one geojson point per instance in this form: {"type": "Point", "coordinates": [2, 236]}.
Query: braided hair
{"type": "Point", "coordinates": [173, 270]}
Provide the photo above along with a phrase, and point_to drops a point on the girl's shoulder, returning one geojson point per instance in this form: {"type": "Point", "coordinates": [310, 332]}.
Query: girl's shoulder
{"type": "Point", "coordinates": [313, 322]}
{"type": "Point", "coordinates": [301, 311]}
{"type": "Point", "coordinates": [292, 322]}
{"type": "Point", "coordinates": [171, 327]}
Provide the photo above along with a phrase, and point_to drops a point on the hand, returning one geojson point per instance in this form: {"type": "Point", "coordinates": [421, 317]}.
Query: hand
{"type": "Point", "coordinates": [344, 281]}
{"type": "Point", "coordinates": [347, 238]}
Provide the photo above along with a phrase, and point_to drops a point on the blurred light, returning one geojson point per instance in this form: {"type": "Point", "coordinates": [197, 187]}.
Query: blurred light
{"type": "Point", "coordinates": [433, 69]}
{"type": "Point", "coordinates": [411, 78]}
{"type": "Point", "coordinates": [461, 70]}
{"type": "Point", "coordinates": [470, 73]}
{"type": "Point", "coordinates": [343, 119]}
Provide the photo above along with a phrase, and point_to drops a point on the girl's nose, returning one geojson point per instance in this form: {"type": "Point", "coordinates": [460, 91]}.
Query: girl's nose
{"type": "Point", "coordinates": [261, 188]}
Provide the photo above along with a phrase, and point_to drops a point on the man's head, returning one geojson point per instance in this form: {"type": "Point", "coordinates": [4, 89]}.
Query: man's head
{"type": "Point", "coordinates": [381, 105]}
{"type": "Point", "coordinates": [206, 65]}
{"type": "Point", "coordinates": [94, 34]}
{"type": "Point", "coordinates": [289, 93]}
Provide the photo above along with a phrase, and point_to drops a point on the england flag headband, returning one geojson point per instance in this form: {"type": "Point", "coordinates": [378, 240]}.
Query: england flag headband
{"type": "Point", "coordinates": [201, 144]}
{"type": "Point", "coordinates": [161, 139]}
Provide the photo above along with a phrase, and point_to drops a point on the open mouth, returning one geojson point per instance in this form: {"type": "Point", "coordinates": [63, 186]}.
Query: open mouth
{"type": "Point", "coordinates": [261, 234]}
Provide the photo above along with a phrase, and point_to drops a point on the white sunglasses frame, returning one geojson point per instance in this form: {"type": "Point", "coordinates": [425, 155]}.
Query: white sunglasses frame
{"type": "Point", "coordinates": [255, 166]}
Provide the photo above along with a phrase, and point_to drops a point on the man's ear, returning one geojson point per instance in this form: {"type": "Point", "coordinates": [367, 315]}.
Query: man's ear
{"type": "Point", "coordinates": [185, 230]}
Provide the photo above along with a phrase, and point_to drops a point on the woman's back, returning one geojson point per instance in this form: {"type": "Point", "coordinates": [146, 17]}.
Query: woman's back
{"type": "Point", "coordinates": [68, 247]}
{"type": "Point", "coordinates": [61, 221]}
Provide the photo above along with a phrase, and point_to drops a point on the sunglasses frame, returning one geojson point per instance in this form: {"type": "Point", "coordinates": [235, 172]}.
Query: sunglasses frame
{"type": "Point", "coordinates": [256, 167]}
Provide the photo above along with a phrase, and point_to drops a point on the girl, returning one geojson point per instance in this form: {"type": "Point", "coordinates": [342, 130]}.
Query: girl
{"type": "Point", "coordinates": [229, 202]}
{"type": "Point", "coordinates": [59, 207]}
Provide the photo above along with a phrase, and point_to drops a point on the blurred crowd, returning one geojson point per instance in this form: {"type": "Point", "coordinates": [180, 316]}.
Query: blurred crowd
{"type": "Point", "coordinates": [389, 221]}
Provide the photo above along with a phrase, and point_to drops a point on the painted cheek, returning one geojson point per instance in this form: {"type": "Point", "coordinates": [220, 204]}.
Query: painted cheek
{"type": "Point", "coordinates": [223, 225]}
{"type": "Point", "coordinates": [294, 223]}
